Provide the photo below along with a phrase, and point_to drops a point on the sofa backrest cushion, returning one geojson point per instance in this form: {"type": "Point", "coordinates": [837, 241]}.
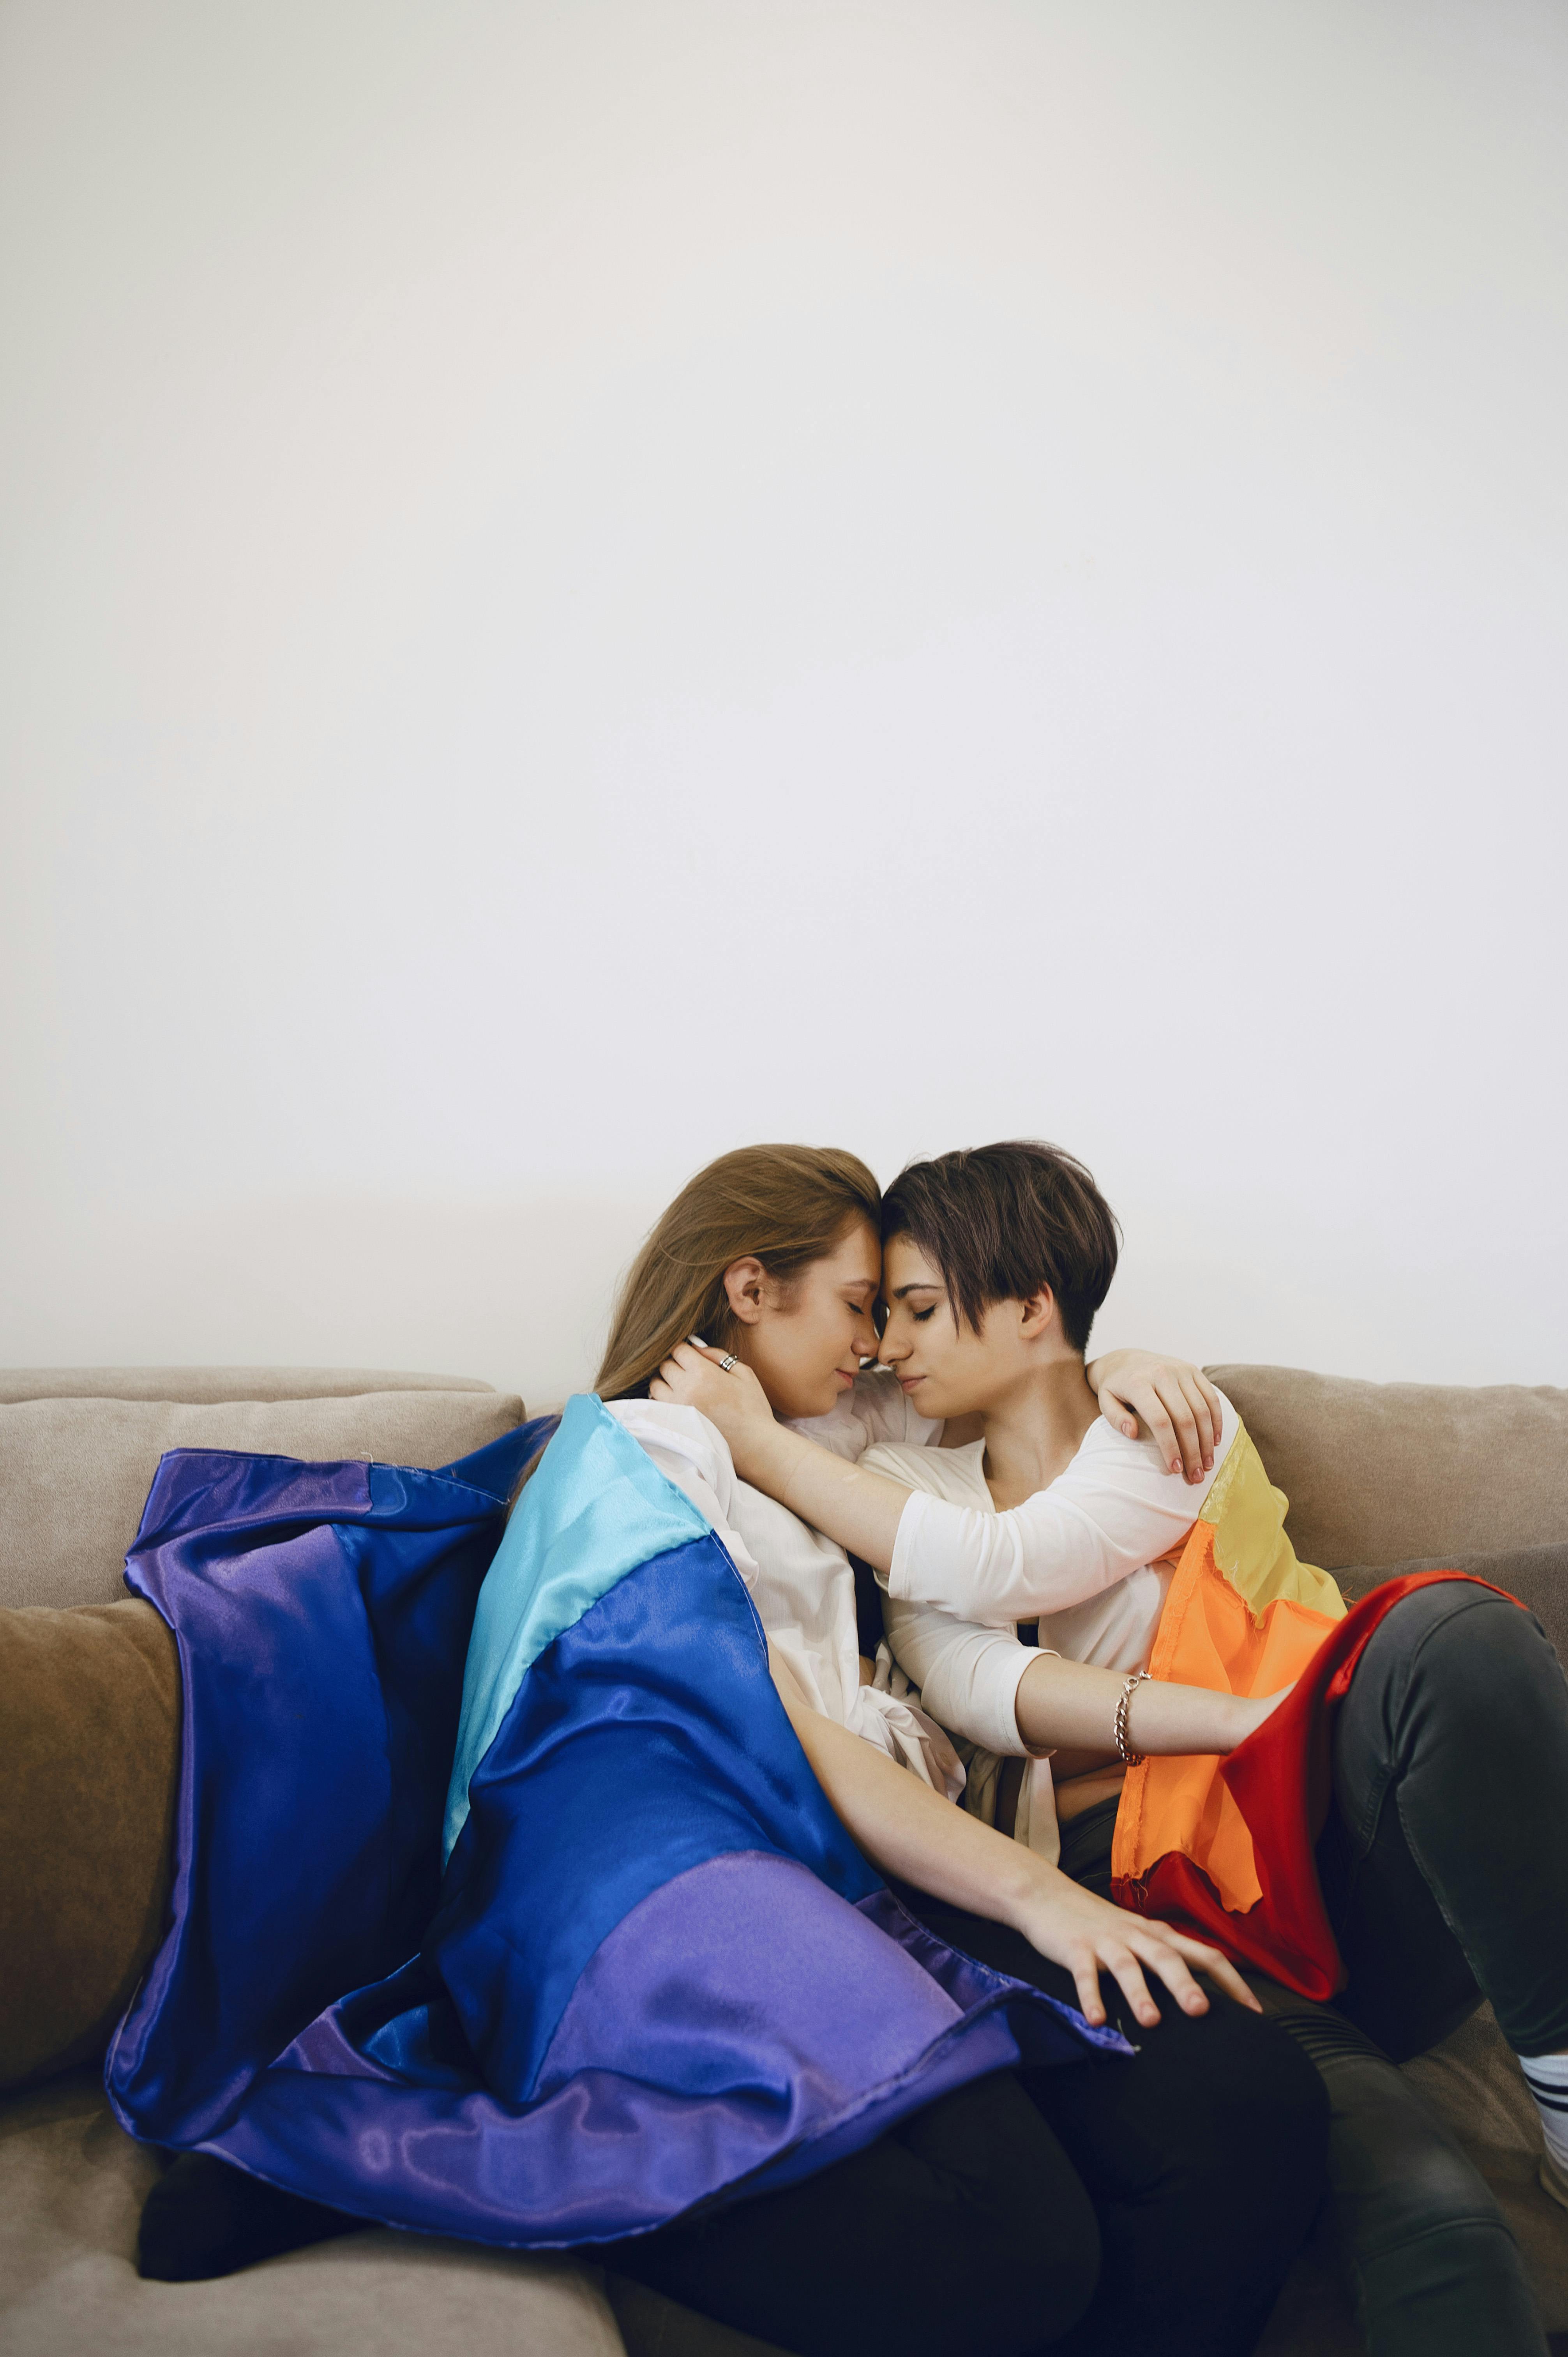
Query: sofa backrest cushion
{"type": "Point", "coordinates": [75, 1468]}
{"type": "Point", "coordinates": [1381, 1473]}
{"type": "Point", "coordinates": [1538, 1575]}
{"type": "Point", "coordinates": [198, 1384]}
{"type": "Point", "coordinates": [90, 1707]}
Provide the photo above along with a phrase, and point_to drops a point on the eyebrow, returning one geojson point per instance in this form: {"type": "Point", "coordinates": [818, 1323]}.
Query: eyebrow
{"type": "Point", "coordinates": [920, 1284]}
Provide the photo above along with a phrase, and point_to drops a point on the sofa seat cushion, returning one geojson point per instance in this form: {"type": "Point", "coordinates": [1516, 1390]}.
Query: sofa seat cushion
{"type": "Point", "coordinates": [1376, 1473]}
{"type": "Point", "coordinates": [74, 1472]}
{"type": "Point", "coordinates": [71, 2188]}
{"type": "Point", "coordinates": [652, 2326]}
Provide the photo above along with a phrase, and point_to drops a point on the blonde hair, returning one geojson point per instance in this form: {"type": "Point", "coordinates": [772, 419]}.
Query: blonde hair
{"type": "Point", "coordinates": [783, 1205]}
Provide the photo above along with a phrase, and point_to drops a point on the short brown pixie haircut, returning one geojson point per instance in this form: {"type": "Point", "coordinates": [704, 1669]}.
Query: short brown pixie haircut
{"type": "Point", "coordinates": [1002, 1220]}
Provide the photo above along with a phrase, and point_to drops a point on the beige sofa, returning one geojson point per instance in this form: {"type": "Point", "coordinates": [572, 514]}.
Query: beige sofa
{"type": "Point", "coordinates": [1378, 1475]}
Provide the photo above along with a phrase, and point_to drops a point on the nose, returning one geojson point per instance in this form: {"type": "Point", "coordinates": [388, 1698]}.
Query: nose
{"type": "Point", "coordinates": [894, 1349]}
{"type": "Point", "coordinates": [866, 1335]}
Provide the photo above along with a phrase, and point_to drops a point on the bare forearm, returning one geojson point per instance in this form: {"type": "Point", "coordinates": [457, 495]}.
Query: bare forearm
{"type": "Point", "coordinates": [860, 1510]}
{"type": "Point", "coordinates": [909, 1833]}
{"type": "Point", "coordinates": [1071, 1705]}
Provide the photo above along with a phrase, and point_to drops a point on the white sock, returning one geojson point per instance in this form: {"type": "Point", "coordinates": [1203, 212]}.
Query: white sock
{"type": "Point", "coordinates": [1546, 2076]}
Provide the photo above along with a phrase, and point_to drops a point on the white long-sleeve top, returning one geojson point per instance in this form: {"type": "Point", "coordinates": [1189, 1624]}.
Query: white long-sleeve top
{"type": "Point", "coordinates": [1091, 1557]}
{"type": "Point", "coordinates": [801, 1582]}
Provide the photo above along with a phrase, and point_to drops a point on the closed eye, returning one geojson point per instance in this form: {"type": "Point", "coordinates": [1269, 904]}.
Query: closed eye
{"type": "Point", "coordinates": [921, 1316]}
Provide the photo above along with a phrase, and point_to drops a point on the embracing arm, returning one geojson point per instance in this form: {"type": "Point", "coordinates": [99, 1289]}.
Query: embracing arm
{"type": "Point", "coordinates": [1176, 1404]}
{"type": "Point", "coordinates": [982, 1684]}
{"type": "Point", "coordinates": [1071, 1705]}
{"type": "Point", "coordinates": [1102, 1518]}
{"type": "Point", "coordinates": [862, 1510]}
{"type": "Point", "coordinates": [909, 1832]}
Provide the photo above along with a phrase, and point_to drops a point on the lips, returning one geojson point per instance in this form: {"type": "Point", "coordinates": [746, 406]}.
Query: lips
{"type": "Point", "coordinates": [908, 1383]}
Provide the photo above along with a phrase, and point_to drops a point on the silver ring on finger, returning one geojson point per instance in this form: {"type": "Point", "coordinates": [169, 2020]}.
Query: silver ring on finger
{"type": "Point", "coordinates": [725, 1365]}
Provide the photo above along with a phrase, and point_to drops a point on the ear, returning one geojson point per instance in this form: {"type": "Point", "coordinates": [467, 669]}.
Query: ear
{"type": "Point", "coordinates": [1039, 1315]}
{"type": "Point", "coordinates": [742, 1283]}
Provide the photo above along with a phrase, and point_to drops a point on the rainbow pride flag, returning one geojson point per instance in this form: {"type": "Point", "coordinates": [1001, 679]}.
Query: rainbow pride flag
{"type": "Point", "coordinates": [1224, 1847]}
{"type": "Point", "coordinates": [506, 1903]}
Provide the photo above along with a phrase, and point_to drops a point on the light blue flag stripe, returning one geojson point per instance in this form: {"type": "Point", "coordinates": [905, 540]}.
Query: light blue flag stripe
{"type": "Point", "coordinates": [596, 1508]}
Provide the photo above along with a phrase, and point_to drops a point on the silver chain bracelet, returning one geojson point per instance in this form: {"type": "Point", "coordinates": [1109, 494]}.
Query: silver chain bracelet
{"type": "Point", "coordinates": [1131, 1758]}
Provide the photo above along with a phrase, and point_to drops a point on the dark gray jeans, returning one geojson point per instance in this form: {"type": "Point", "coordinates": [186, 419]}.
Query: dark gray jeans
{"type": "Point", "coordinates": [1443, 1861]}
{"type": "Point", "coordinates": [1445, 1873]}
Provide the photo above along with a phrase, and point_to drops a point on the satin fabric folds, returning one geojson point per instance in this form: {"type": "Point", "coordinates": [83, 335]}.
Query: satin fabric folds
{"type": "Point", "coordinates": [1224, 1847]}
{"type": "Point", "coordinates": [654, 1973]}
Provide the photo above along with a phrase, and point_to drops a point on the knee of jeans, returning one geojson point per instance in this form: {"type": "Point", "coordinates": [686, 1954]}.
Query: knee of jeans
{"type": "Point", "coordinates": [1021, 2232]}
{"type": "Point", "coordinates": [1034, 2247]}
{"type": "Point", "coordinates": [1460, 2286]}
{"type": "Point", "coordinates": [1264, 2131]}
{"type": "Point", "coordinates": [1434, 2191]}
{"type": "Point", "coordinates": [1486, 1652]}
{"type": "Point", "coordinates": [1396, 2172]}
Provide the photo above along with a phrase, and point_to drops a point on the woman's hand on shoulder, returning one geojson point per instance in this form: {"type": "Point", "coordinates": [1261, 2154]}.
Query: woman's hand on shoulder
{"type": "Point", "coordinates": [1170, 1401]}
{"type": "Point", "coordinates": [728, 1394]}
{"type": "Point", "coordinates": [1090, 1936]}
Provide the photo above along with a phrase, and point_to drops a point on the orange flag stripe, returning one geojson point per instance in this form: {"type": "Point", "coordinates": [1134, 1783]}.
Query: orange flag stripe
{"type": "Point", "coordinates": [1243, 1617]}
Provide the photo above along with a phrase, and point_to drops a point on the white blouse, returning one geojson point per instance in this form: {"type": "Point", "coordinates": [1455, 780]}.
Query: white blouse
{"type": "Point", "coordinates": [801, 1582]}
{"type": "Point", "coordinates": [1091, 1557]}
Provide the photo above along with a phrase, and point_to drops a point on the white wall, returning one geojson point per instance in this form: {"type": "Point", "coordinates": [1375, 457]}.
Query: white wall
{"type": "Point", "coordinates": [585, 584]}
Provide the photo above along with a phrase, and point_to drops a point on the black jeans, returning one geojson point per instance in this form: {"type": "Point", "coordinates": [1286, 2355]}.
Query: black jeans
{"type": "Point", "coordinates": [1442, 1862]}
{"type": "Point", "coordinates": [1431, 2264]}
{"type": "Point", "coordinates": [1445, 1877]}
{"type": "Point", "coordinates": [964, 2229]}
{"type": "Point", "coordinates": [1118, 2207]}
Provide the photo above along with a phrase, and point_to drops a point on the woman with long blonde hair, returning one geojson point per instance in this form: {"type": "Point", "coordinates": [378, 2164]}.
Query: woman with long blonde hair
{"type": "Point", "coordinates": [1199, 2158]}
